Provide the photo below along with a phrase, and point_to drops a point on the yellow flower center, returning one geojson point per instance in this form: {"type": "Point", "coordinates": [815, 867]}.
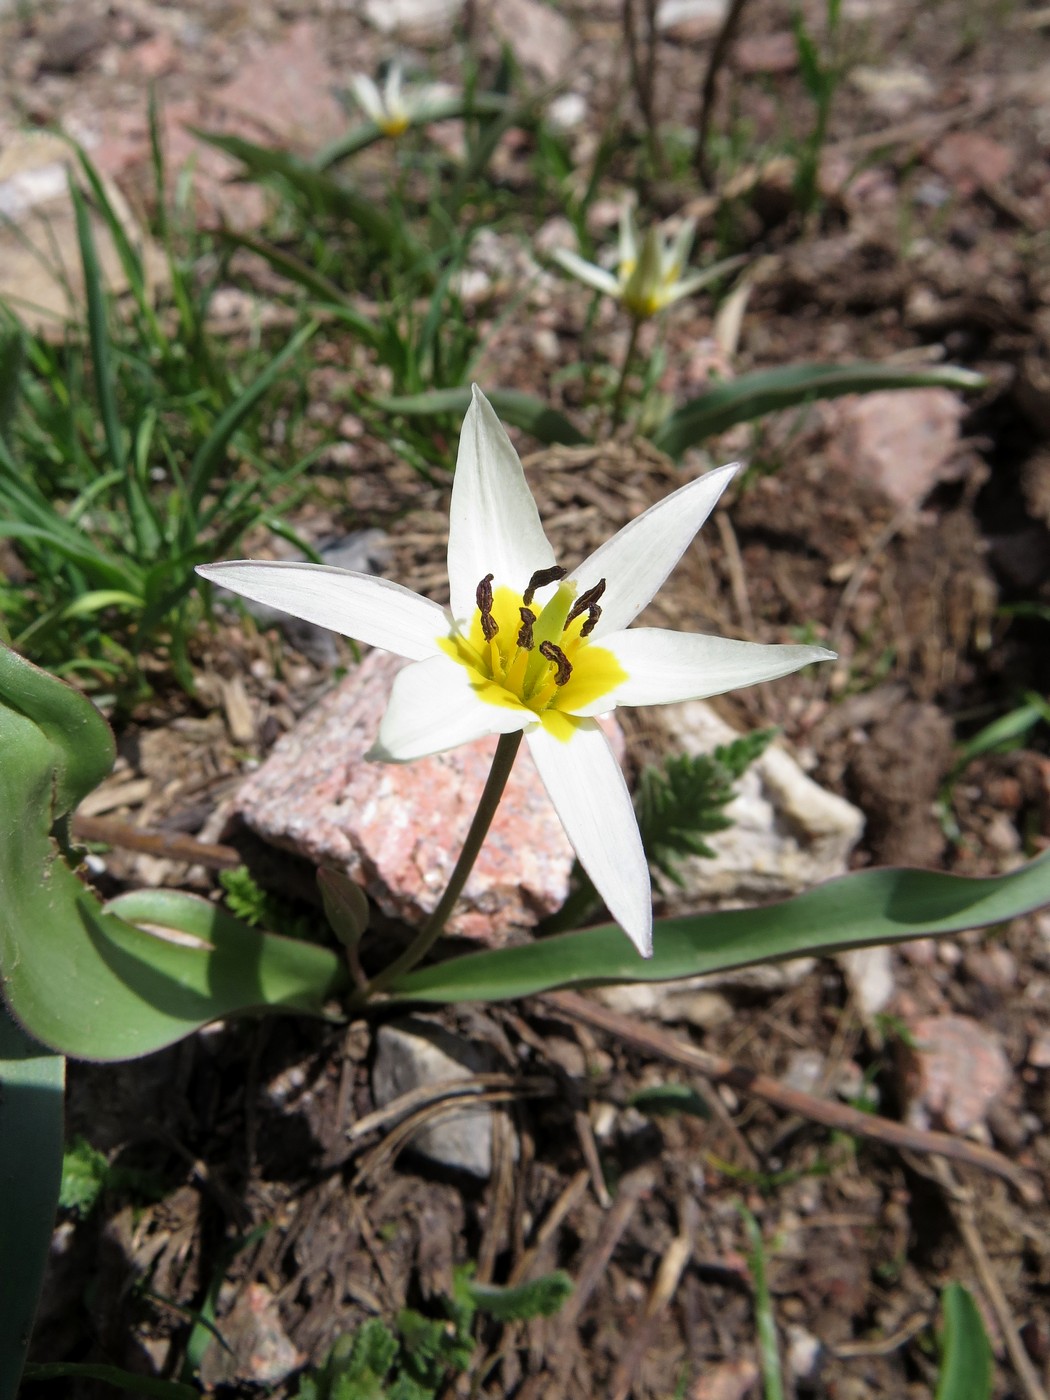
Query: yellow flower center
{"type": "Point", "coordinates": [394, 124]}
{"type": "Point", "coordinates": [525, 657]}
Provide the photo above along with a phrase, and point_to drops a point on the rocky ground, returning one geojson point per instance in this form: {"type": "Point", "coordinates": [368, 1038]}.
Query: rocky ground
{"type": "Point", "coordinates": [900, 528]}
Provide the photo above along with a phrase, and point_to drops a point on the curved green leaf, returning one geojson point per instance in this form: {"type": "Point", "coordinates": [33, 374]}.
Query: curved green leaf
{"type": "Point", "coordinates": [871, 906]}
{"type": "Point", "coordinates": [84, 979]}
{"type": "Point", "coordinates": [523, 411]}
{"type": "Point", "coordinates": [319, 191]}
{"type": "Point", "coordinates": [966, 1354]}
{"type": "Point", "coordinates": [144, 1387]}
{"type": "Point", "coordinates": [32, 1081]}
{"type": "Point", "coordinates": [766, 390]}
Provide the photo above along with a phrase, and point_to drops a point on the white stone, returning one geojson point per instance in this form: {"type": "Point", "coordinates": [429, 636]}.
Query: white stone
{"type": "Point", "coordinates": [788, 832]}
{"type": "Point", "coordinates": [414, 1052]}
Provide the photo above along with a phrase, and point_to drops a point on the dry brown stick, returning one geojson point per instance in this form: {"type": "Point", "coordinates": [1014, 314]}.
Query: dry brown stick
{"type": "Point", "coordinates": [411, 1102]}
{"type": "Point", "coordinates": [170, 845]}
{"type": "Point", "coordinates": [761, 1086]}
{"type": "Point", "coordinates": [665, 1285]}
{"type": "Point", "coordinates": [961, 1206]}
{"type": "Point", "coordinates": [632, 1188]}
{"type": "Point", "coordinates": [551, 1222]}
{"type": "Point", "coordinates": [719, 53]}
{"type": "Point", "coordinates": [735, 569]}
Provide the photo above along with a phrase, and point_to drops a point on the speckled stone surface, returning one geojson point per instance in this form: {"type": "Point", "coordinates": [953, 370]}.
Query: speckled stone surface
{"type": "Point", "coordinates": [398, 828]}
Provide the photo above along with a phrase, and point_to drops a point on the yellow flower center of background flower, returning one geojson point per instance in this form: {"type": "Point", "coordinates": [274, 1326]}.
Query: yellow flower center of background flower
{"type": "Point", "coordinates": [521, 677]}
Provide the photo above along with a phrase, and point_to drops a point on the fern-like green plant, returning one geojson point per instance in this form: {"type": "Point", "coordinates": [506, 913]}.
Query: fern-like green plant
{"type": "Point", "coordinates": [685, 800]}
{"type": "Point", "coordinates": [417, 1361]}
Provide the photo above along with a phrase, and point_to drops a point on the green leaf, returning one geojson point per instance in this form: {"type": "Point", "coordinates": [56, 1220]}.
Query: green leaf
{"type": "Point", "coordinates": [319, 191]}
{"type": "Point", "coordinates": [524, 411]}
{"type": "Point", "coordinates": [148, 1386]}
{"type": "Point", "coordinates": [87, 980]}
{"type": "Point", "coordinates": [12, 354]}
{"type": "Point", "coordinates": [685, 800]}
{"type": "Point", "coordinates": [669, 1100]}
{"type": "Point", "coordinates": [326, 291]}
{"type": "Point", "coordinates": [85, 1171]}
{"type": "Point", "coordinates": [212, 451]}
{"type": "Point", "coordinates": [767, 390]}
{"type": "Point", "coordinates": [966, 1354]}
{"type": "Point", "coordinates": [32, 1081]}
{"type": "Point", "coordinates": [765, 1323]}
{"type": "Point", "coordinates": [541, 1297]}
{"type": "Point", "coordinates": [855, 911]}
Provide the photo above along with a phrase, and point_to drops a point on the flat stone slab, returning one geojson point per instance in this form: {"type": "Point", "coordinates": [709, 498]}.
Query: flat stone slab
{"type": "Point", "coordinates": [397, 829]}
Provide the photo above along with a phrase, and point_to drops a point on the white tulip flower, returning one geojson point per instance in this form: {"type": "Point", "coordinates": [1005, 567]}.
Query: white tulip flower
{"type": "Point", "coordinates": [527, 646]}
{"type": "Point", "coordinates": [392, 107]}
{"type": "Point", "coordinates": [648, 275]}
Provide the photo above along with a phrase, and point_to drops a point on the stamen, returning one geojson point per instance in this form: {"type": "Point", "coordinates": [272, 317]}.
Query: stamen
{"type": "Point", "coordinates": [587, 603]}
{"type": "Point", "coordinates": [540, 579]}
{"type": "Point", "coordinates": [528, 619]}
{"type": "Point", "coordinates": [483, 596]}
{"type": "Point", "coordinates": [554, 654]}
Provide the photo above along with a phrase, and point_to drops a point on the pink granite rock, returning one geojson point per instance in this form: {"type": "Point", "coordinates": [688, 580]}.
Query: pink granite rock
{"type": "Point", "coordinates": [955, 1072]}
{"type": "Point", "coordinates": [398, 829]}
{"type": "Point", "coordinates": [904, 441]}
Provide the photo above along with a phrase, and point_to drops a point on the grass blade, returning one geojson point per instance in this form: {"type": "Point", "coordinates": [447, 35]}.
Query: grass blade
{"type": "Point", "coordinates": [213, 449]}
{"type": "Point", "coordinates": [98, 330]}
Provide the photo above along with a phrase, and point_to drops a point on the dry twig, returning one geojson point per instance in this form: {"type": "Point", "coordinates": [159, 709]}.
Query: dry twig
{"type": "Point", "coordinates": [761, 1086]}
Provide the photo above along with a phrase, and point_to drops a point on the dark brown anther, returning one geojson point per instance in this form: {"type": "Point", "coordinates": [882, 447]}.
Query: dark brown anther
{"type": "Point", "coordinates": [528, 618]}
{"type": "Point", "coordinates": [540, 579]}
{"type": "Point", "coordinates": [484, 601]}
{"type": "Point", "coordinates": [554, 653]}
{"type": "Point", "coordinates": [587, 603]}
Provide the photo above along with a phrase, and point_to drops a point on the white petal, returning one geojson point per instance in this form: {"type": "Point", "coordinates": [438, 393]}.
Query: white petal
{"type": "Point", "coordinates": [594, 276]}
{"type": "Point", "coordinates": [628, 251]}
{"type": "Point", "coordinates": [368, 97]}
{"type": "Point", "coordinates": [433, 707]}
{"type": "Point", "coordinates": [677, 255]}
{"type": "Point", "coordinates": [369, 609]}
{"type": "Point", "coordinates": [494, 526]}
{"type": "Point", "coordinates": [585, 784]}
{"type": "Point", "coordinates": [639, 557]}
{"type": "Point", "coordinates": [392, 91]}
{"type": "Point", "coordinates": [693, 284]}
{"type": "Point", "coordinates": [663, 667]}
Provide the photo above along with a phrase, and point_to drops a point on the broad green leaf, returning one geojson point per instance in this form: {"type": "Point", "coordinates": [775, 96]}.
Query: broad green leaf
{"type": "Point", "coordinates": [87, 980]}
{"type": "Point", "coordinates": [966, 1354]}
{"type": "Point", "coordinates": [871, 906]}
{"type": "Point", "coordinates": [524, 411]}
{"type": "Point", "coordinates": [32, 1081]}
{"type": "Point", "coordinates": [766, 390]}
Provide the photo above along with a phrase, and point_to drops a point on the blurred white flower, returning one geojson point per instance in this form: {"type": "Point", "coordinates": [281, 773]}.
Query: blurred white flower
{"type": "Point", "coordinates": [394, 107]}
{"type": "Point", "coordinates": [648, 275]}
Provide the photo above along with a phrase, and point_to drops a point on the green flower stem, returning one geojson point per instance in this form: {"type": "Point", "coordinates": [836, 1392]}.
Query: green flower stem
{"type": "Point", "coordinates": [628, 360]}
{"type": "Point", "coordinates": [502, 763]}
